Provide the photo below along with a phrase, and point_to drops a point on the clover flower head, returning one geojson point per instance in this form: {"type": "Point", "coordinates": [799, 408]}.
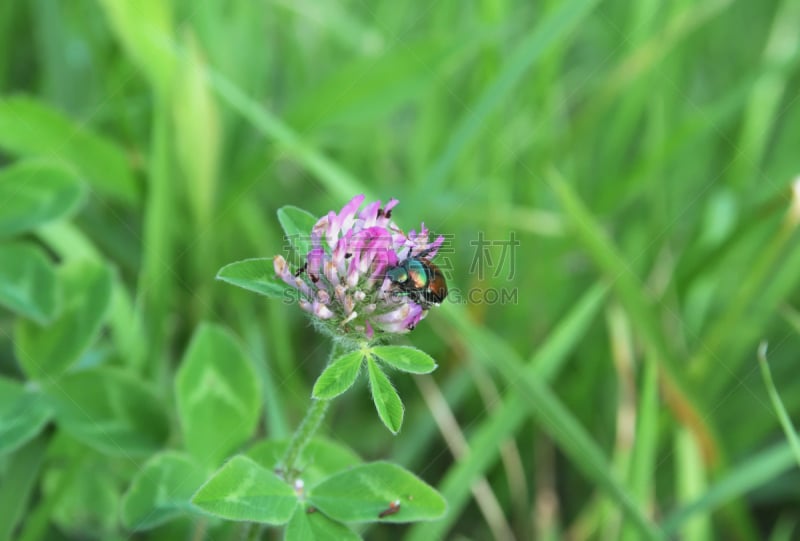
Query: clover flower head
{"type": "Point", "coordinates": [343, 282]}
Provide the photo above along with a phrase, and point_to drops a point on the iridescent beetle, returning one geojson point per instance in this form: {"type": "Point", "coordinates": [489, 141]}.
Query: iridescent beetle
{"type": "Point", "coordinates": [420, 279]}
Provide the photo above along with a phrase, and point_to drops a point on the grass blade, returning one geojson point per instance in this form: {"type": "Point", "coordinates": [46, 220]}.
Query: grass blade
{"type": "Point", "coordinates": [553, 29]}
{"type": "Point", "coordinates": [777, 403]}
{"type": "Point", "coordinates": [642, 315]}
{"type": "Point", "coordinates": [509, 416]}
{"type": "Point", "coordinates": [552, 415]}
{"type": "Point", "coordinates": [756, 471]}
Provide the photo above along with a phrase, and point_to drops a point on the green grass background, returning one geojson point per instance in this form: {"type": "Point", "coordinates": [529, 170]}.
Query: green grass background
{"type": "Point", "coordinates": [641, 152]}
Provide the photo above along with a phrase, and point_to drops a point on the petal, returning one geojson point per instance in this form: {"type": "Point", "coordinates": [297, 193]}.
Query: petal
{"type": "Point", "coordinates": [395, 327]}
{"type": "Point", "coordinates": [343, 252]}
{"type": "Point", "coordinates": [370, 213]}
{"type": "Point", "coordinates": [349, 304]}
{"type": "Point", "coordinates": [280, 265]}
{"type": "Point", "coordinates": [385, 287]}
{"type": "Point", "coordinates": [339, 251]}
{"type": "Point", "coordinates": [319, 230]}
{"type": "Point", "coordinates": [378, 259]}
{"type": "Point", "coordinates": [332, 232]}
{"type": "Point", "coordinates": [390, 205]}
{"type": "Point", "coordinates": [367, 253]}
{"type": "Point", "coordinates": [315, 258]}
{"type": "Point", "coordinates": [322, 311]}
{"type": "Point", "coordinates": [397, 315]}
{"type": "Point", "coordinates": [348, 212]}
{"type": "Point", "coordinates": [435, 245]}
{"type": "Point", "coordinates": [282, 270]}
{"type": "Point", "coordinates": [331, 273]}
{"type": "Point", "coordinates": [340, 292]}
{"type": "Point", "coordinates": [352, 276]}
{"type": "Point", "coordinates": [302, 286]}
{"type": "Point", "coordinates": [416, 314]}
{"type": "Point", "coordinates": [399, 243]}
{"type": "Point", "coordinates": [380, 263]}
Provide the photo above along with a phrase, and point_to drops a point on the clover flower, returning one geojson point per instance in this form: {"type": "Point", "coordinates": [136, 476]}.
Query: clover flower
{"type": "Point", "coordinates": [343, 282]}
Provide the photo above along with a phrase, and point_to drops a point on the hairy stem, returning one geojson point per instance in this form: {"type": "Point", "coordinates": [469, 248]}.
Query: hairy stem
{"type": "Point", "coordinates": [307, 429]}
{"type": "Point", "coordinates": [301, 437]}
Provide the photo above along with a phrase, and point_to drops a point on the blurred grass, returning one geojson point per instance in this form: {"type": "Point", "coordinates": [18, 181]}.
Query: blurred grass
{"type": "Point", "coordinates": [641, 153]}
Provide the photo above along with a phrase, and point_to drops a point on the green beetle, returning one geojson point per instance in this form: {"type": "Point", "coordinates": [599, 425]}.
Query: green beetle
{"type": "Point", "coordinates": [420, 279]}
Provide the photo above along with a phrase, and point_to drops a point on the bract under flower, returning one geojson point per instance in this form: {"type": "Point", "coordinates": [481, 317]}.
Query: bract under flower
{"type": "Point", "coordinates": [342, 283]}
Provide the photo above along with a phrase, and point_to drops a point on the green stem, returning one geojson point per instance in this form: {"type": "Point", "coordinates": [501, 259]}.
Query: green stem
{"type": "Point", "coordinates": [309, 426]}
{"type": "Point", "coordinates": [303, 435]}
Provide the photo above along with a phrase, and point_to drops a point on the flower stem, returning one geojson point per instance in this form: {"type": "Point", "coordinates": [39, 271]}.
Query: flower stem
{"type": "Point", "coordinates": [306, 430]}
{"type": "Point", "coordinates": [303, 435]}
